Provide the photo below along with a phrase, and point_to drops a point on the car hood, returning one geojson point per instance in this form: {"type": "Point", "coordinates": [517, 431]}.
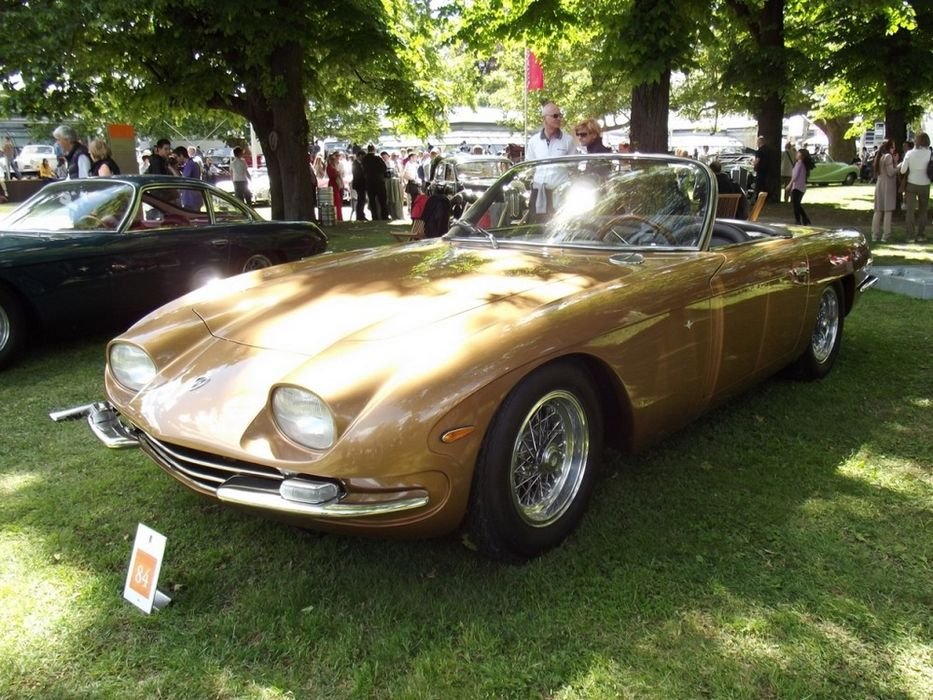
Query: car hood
{"type": "Point", "coordinates": [308, 306]}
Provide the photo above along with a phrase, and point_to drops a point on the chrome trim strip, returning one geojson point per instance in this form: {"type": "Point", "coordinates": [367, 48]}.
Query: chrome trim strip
{"type": "Point", "coordinates": [266, 500]}
{"type": "Point", "coordinates": [867, 283]}
{"type": "Point", "coordinates": [174, 457]}
{"type": "Point", "coordinates": [167, 461]}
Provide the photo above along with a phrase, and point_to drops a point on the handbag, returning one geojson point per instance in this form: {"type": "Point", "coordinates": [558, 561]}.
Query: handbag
{"type": "Point", "coordinates": [930, 168]}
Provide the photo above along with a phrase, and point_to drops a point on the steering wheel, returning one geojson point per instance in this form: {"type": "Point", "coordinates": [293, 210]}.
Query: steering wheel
{"type": "Point", "coordinates": [609, 228]}
{"type": "Point", "coordinates": [90, 221]}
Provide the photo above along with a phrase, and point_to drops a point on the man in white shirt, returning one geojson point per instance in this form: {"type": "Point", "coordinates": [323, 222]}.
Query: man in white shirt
{"type": "Point", "coordinates": [550, 142]}
{"type": "Point", "coordinates": [918, 186]}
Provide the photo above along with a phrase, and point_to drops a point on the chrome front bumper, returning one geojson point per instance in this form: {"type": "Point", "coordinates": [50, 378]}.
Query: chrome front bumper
{"type": "Point", "coordinates": [867, 283]}
{"type": "Point", "coordinates": [104, 422]}
{"type": "Point", "coordinates": [264, 494]}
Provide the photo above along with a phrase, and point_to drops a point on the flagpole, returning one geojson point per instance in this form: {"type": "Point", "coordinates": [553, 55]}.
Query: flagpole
{"type": "Point", "coordinates": [525, 104]}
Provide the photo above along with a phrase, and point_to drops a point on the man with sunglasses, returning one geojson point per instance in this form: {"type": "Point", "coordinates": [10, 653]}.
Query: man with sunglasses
{"type": "Point", "coordinates": [550, 142]}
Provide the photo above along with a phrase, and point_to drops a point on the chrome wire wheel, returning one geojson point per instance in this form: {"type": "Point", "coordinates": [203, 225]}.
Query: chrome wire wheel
{"type": "Point", "coordinates": [5, 327]}
{"type": "Point", "coordinates": [826, 330]}
{"type": "Point", "coordinates": [549, 458]}
{"type": "Point", "coordinates": [256, 262]}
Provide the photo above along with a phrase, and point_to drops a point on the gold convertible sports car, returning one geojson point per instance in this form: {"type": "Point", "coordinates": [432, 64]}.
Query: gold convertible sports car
{"type": "Point", "coordinates": [471, 382]}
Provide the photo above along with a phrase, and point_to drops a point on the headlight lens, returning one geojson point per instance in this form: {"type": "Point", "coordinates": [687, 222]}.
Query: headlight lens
{"type": "Point", "coordinates": [304, 417]}
{"type": "Point", "coordinates": [131, 366]}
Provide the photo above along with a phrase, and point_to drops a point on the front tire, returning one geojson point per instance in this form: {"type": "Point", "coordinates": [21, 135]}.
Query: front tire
{"type": "Point", "coordinates": [537, 465]}
{"type": "Point", "coordinates": [12, 327]}
{"type": "Point", "coordinates": [825, 339]}
{"type": "Point", "coordinates": [850, 179]}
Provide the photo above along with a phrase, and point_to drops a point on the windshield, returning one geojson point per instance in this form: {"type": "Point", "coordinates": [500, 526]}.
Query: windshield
{"type": "Point", "coordinates": [596, 201]}
{"type": "Point", "coordinates": [482, 169]}
{"type": "Point", "coordinates": [73, 205]}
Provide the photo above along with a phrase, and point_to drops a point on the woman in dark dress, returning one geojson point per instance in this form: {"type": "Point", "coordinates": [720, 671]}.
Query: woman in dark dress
{"type": "Point", "coordinates": [589, 135]}
{"type": "Point", "coordinates": [102, 162]}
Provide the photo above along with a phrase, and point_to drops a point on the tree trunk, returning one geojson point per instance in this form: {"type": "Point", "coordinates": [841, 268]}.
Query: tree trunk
{"type": "Point", "coordinates": [840, 148]}
{"type": "Point", "coordinates": [281, 126]}
{"type": "Point", "coordinates": [895, 127]}
{"type": "Point", "coordinates": [770, 125]}
{"type": "Point", "coordinates": [651, 103]}
{"type": "Point", "coordinates": [768, 33]}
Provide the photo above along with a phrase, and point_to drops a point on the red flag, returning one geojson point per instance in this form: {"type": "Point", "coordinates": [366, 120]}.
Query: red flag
{"type": "Point", "coordinates": [535, 79]}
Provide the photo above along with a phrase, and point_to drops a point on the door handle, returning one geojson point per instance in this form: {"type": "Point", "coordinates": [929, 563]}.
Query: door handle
{"type": "Point", "coordinates": [220, 242]}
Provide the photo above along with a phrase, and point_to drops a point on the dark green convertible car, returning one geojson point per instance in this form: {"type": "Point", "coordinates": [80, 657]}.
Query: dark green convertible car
{"type": "Point", "coordinates": [111, 249]}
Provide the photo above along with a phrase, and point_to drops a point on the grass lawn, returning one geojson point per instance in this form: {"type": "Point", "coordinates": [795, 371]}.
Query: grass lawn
{"type": "Point", "coordinates": [779, 547]}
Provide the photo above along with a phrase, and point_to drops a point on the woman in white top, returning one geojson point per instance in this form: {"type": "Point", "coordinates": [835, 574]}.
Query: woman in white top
{"type": "Point", "coordinates": [918, 186]}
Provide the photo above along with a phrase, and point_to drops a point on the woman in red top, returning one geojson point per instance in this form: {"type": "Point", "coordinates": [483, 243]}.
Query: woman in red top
{"type": "Point", "coordinates": [335, 183]}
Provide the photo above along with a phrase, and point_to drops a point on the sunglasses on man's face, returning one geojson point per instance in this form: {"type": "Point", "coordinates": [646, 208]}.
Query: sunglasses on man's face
{"type": "Point", "coordinates": [581, 134]}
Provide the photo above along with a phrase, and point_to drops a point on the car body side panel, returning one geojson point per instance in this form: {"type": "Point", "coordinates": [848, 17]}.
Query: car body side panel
{"type": "Point", "coordinates": [761, 301]}
{"type": "Point", "coordinates": [62, 276]}
{"type": "Point", "coordinates": [154, 266]}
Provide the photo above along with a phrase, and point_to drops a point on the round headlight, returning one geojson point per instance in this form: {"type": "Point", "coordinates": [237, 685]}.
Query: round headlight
{"type": "Point", "coordinates": [131, 366]}
{"type": "Point", "coordinates": [304, 417]}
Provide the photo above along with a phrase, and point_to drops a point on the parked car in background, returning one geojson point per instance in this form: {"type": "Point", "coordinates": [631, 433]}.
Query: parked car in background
{"type": "Point", "coordinates": [470, 382]}
{"type": "Point", "coordinates": [258, 185]}
{"type": "Point", "coordinates": [221, 157]}
{"type": "Point", "coordinates": [464, 178]}
{"type": "Point", "coordinates": [832, 172]}
{"type": "Point", "coordinates": [80, 251]}
{"type": "Point", "coordinates": [31, 155]}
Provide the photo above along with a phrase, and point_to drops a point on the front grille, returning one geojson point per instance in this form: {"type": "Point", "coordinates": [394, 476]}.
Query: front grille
{"type": "Point", "coordinates": [202, 470]}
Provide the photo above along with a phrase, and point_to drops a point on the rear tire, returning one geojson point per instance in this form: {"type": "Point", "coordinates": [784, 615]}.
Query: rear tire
{"type": "Point", "coordinates": [12, 327]}
{"type": "Point", "coordinates": [850, 179]}
{"type": "Point", "coordinates": [825, 339]}
{"type": "Point", "coordinates": [536, 468]}
{"type": "Point", "coordinates": [257, 261]}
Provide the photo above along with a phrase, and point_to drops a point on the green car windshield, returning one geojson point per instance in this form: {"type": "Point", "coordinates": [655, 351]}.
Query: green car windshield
{"type": "Point", "coordinates": [73, 205]}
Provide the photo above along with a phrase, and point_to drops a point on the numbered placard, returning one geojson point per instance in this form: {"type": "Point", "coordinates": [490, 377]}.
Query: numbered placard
{"type": "Point", "coordinates": [142, 578]}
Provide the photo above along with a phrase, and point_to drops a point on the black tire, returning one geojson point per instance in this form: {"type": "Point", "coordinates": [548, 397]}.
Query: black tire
{"type": "Point", "coordinates": [12, 327]}
{"type": "Point", "coordinates": [529, 494]}
{"type": "Point", "coordinates": [825, 338]}
{"type": "Point", "coordinates": [850, 179]}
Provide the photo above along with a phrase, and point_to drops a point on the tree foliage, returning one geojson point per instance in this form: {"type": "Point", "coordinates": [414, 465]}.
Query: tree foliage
{"type": "Point", "coordinates": [265, 61]}
{"type": "Point", "coordinates": [190, 66]}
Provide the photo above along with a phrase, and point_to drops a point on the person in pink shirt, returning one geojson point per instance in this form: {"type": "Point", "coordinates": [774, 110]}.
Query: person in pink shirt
{"type": "Point", "coordinates": [798, 184]}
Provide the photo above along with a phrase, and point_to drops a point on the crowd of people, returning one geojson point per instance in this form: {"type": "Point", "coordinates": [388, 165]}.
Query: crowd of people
{"type": "Point", "coordinates": [389, 183]}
